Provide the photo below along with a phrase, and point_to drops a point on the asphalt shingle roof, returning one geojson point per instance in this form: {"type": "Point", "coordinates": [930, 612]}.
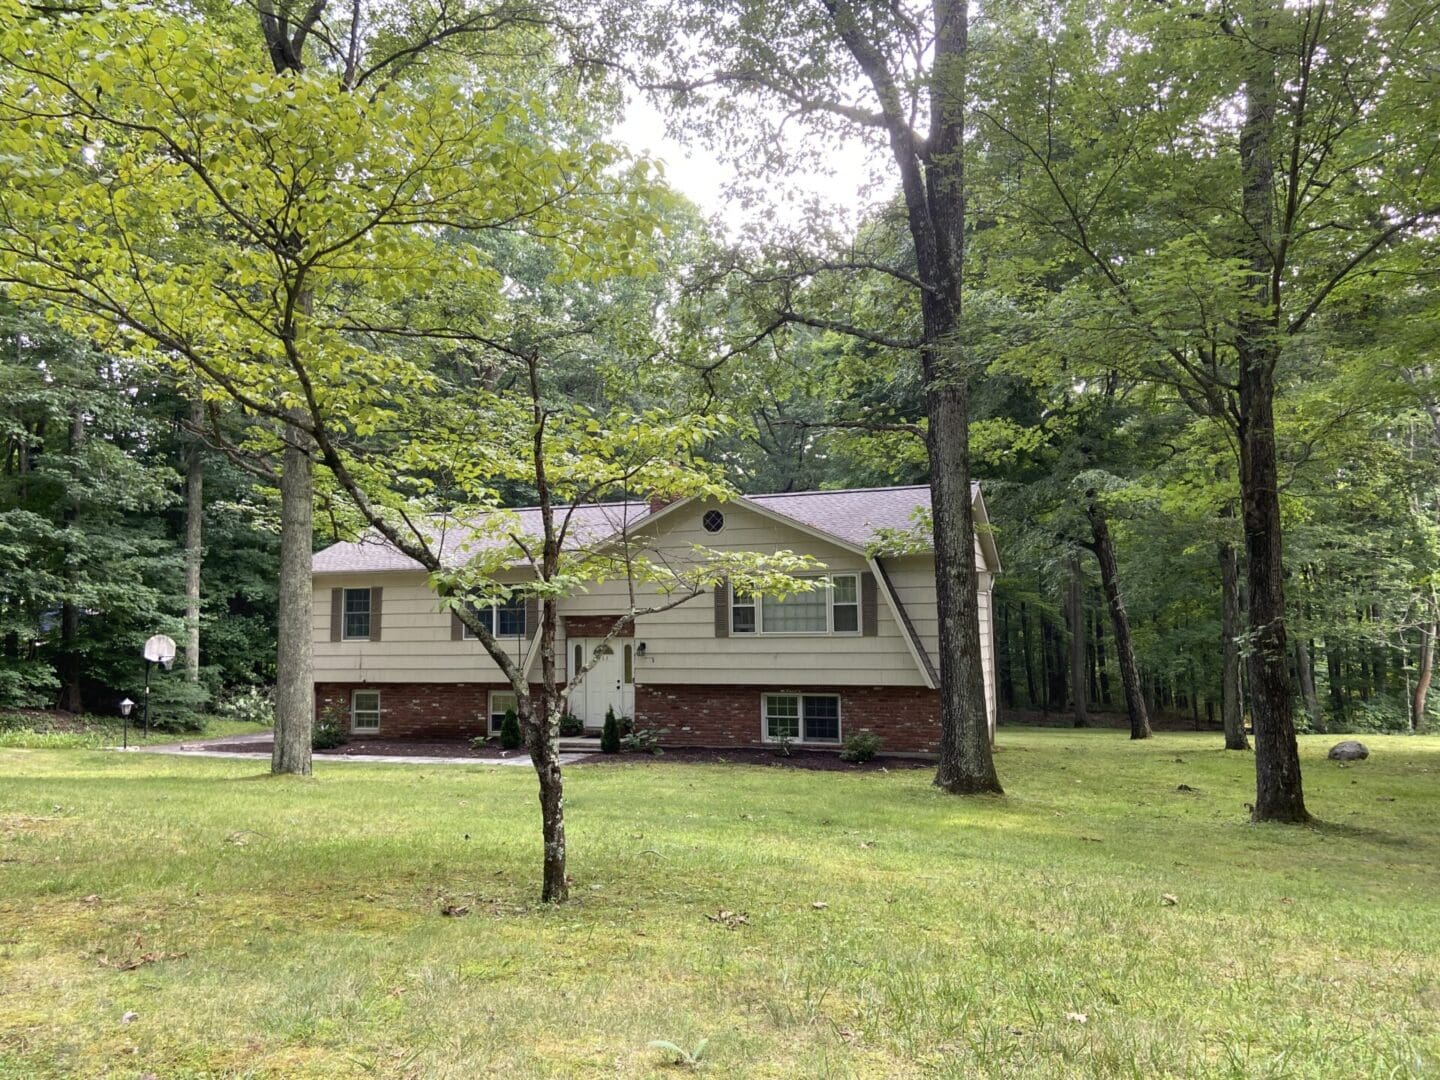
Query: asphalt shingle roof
{"type": "Point", "coordinates": [852, 516]}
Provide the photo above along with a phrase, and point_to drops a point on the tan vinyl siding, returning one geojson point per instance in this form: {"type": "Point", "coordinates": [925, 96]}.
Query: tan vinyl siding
{"type": "Point", "coordinates": [416, 645]}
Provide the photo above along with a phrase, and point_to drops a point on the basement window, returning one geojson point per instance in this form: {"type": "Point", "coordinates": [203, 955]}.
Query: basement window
{"type": "Point", "coordinates": [365, 711]}
{"type": "Point", "coordinates": [801, 718]}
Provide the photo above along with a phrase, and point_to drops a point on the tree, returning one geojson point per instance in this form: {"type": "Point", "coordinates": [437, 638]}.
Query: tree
{"type": "Point", "coordinates": [808, 62]}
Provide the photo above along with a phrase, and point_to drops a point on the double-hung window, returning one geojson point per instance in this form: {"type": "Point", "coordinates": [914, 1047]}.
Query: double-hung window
{"type": "Point", "coordinates": [365, 711]}
{"type": "Point", "coordinates": [803, 718]}
{"type": "Point", "coordinates": [357, 615]}
{"type": "Point", "coordinates": [832, 607]}
{"type": "Point", "coordinates": [503, 618]}
{"type": "Point", "coordinates": [501, 702]}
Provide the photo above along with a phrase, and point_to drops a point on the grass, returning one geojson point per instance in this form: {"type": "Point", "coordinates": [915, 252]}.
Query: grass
{"type": "Point", "coordinates": [275, 927]}
{"type": "Point", "coordinates": [35, 730]}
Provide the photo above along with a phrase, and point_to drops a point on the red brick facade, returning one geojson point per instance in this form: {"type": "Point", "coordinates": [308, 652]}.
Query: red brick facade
{"type": "Point", "coordinates": [907, 718]}
{"type": "Point", "coordinates": [592, 626]}
{"type": "Point", "coordinates": [415, 710]}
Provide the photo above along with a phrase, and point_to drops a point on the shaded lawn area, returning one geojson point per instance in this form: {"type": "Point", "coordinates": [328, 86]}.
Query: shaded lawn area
{"type": "Point", "coordinates": [293, 928]}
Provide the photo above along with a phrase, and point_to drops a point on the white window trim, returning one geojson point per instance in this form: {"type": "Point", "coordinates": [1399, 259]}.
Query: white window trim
{"type": "Point", "coordinates": [379, 712]}
{"type": "Point", "coordinates": [800, 740]}
{"type": "Point", "coordinates": [830, 631]}
{"type": "Point", "coordinates": [490, 709]}
{"type": "Point", "coordinates": [345, 634]}
{"type": "Point", "coordinates": [466, 634]}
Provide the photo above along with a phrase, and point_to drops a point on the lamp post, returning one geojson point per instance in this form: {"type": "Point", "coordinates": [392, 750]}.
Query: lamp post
{"type": "Point", "coordinates": [125, 707]}
{"type": "Point", "coordinates": [159, 649]}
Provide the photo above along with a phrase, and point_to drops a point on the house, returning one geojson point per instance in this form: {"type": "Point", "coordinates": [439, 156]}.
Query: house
{"type": "Point", "coordinates": [720, 670]}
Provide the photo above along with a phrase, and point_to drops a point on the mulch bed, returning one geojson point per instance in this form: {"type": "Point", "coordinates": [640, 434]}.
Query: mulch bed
{"type": "Point", "coordinates": [817, 760]}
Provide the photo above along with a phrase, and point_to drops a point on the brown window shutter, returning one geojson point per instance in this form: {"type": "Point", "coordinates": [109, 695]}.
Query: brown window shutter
{"type": "Point", "coordinates": [722, 609]}
{"type": "Point", "coordinates": [532, 616]}
{"type": "Point", "coordinates": [337, 614]}
{"type": "Point", "coordinates": [376, 610]}
{"type": "Point", "coordinates": [869, 615]}
{"type": "Point", "coordinates": [457, 628]}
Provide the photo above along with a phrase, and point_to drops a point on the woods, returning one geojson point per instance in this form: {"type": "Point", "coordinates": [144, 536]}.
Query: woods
{"type": "Point", "coordinates": [283, 275]}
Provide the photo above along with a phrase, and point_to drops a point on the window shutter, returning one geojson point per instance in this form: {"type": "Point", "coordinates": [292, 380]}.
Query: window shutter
{"type": "Point", "coordinates": [337, 614]}
{"type": "Point", "coordinates": [869, 615]}
{"type": "Point", "coordinates": [376, 594]}
{"type": "Point", "coordinates": [457, 628]}
{"type": "Point", "coordinates": [532, 616]}
{"type": "Point", "coordinates": [722, 609]}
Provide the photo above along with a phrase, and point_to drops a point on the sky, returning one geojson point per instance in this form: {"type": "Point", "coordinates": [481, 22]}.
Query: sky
{"type": "Point", "coordinates": [699, 173]}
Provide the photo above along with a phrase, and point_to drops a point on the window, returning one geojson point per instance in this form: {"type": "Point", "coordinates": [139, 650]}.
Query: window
{"type": "Point", "coordinates": [628, 671]}
{"type": "Point", "coordinates": [365, 708]}
{"type": "Point", "coordinates": [827, 609]}
{"type": "Point", "coordinates": [806, 718]}
{"type": "Point", "coordinates": [357, 615]}
{"type": "Point", "coordinates": [801, 613]}
{"type": "Point", "coordinates": [501, 702]}
{"type": "Point", "coordinates": [742, 613]}
{"type": "Point", "coordinates": [579, 660]}
{"type": "Point", "coordinates": [503, 618]}
{"type": "Point", "coordinates": [845, 603]}
{"type": "Point", "coordinates": [713, 521]}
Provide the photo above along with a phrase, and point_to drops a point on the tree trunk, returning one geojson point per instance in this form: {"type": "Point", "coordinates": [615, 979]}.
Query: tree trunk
{"type": "Point", "coordinates": [545, 755]}
{"type": "Point", "coordinates": [1120, 622]}
{"type": "Point", "coordinates": [1075, 613]}
{"type": "Point", "coordinates": [71, 664]}
{"type": "Point", "coordinates": [1422, 681]}
{"type": "Point", "coordinates": [966, 764]}
{"type": "Point", "coordinates": [1100, 661]}
{"type": "Point", "coordinates": [1335, 670]}
{"type": "Point", "coordinates": [1031, 697]}
{"type": "Point", "coordinates": [1305, 677]}
{"type": "Point", "coordinates": [294, 667]}
{"type": "Point", "coordinates": [194, 535]}
{"type": "Point", "coordinates": [1231, 715]}
{"type": "Point", "coordinates": [1007, 660]}
{"type": "Point", "coordinates": [1279, 793]}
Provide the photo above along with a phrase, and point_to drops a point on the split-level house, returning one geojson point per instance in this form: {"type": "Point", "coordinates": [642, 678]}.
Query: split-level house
{"type": "Point", "coordinates": [723, 669]}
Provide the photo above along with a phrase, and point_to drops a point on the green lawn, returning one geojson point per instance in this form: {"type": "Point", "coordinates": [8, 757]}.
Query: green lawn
{"type": "Point", "coordinates": [293, 928]}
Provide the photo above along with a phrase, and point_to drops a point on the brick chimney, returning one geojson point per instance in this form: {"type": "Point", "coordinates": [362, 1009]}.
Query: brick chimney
{"type": "Point", "coordinates": [659, 502]}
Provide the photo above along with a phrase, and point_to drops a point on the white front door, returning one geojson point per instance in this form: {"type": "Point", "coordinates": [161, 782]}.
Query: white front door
{"type": "Point", "coordinates": [610, 684]}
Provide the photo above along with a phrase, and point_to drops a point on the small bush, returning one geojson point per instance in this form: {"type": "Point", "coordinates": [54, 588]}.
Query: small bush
{"type": "Point", "coordinates": [1379, 714]}
{"type": "Point", "coordinates": [860, 746]}
{"type": "Point", "coordinates": [480, 742]}
{"type": "Point", "coordinates": [571, 726]}
{"type": "Point", "coordinates": [610, 734]}
{"type": "Point", "coordinates": [328, 734]}
{"type": "Point", "coordinates": [644, 741]}
{"type": "Point", "coordinates": [510, 731]}
{"type": "Point", "coordinates": [176, 705]}
{"type": "Point", "coordinates": [249, 705]}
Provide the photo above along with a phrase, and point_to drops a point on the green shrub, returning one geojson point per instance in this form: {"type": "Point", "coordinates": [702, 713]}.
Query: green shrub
{"type": "Point", "coordinates": [328, 734]}
{"type": "Point", "coordinates": [610, 735]}
{"type": "Point", "coordinates": [176, 705]}
{"type": "Point", "coordinates": [860, 746]}
{"type": "Point", "coordinates": [510, 731]}
{"type": "Point", "coordinates": [1379, 714]}
{"type": "Point", "coordinates": [644, 740]}
{"type": "Point", "coordinates": [249, 705]}
{"type": "Point", "coordinates": [480, 742]}
{"type": "Point", "coordinates": [571, 726]}
{"type": "Point", "coordinates": [26, 684]}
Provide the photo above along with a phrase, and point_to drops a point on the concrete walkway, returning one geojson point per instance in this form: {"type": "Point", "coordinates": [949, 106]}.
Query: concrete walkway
{"type": "Point", "coordinates": [200, 748]}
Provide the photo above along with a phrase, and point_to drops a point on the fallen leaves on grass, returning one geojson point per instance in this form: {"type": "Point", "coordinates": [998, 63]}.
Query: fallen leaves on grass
{"type": "Point", "coordinates": [1169, 899]}
{"type": "Point", "coordinates": [454, 911]}
{"type": "Point", "coordinates": [731, 920]}
{"type": "Point", "coordinates": [819, 905]}
{"type": "Point", "coordinates": [138, 960]}
{"type": "Point", "coordinates": [1077, 1018]}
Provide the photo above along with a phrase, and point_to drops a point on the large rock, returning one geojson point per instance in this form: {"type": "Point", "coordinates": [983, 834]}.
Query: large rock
{"type": "Point", "coordinates": [1349, 750]}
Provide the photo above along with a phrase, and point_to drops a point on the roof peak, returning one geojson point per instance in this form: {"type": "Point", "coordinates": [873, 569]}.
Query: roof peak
{"type": "Point", "coordinates": [836, 491]}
